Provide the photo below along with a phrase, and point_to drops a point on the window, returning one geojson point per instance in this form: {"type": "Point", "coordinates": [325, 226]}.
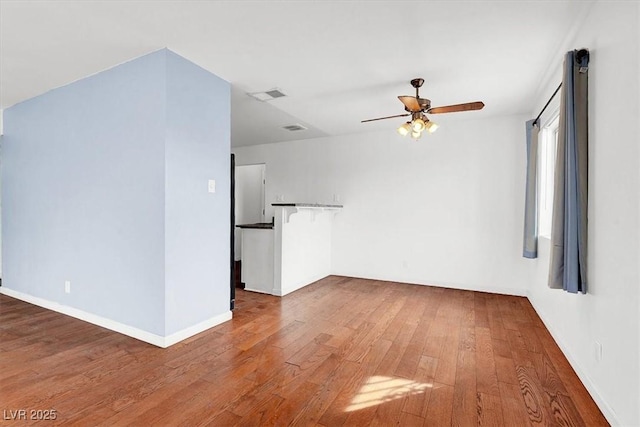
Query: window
{"type": "Point", "coordinates": [547, 164]}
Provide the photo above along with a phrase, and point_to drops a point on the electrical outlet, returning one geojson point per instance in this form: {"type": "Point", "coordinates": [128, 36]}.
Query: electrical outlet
{"type": "Point", "coordinates": [597, 351]}
{"type": "Point", "coordinates": [212, 186]}
{"type": "Point", "coordinates": [67, 286]}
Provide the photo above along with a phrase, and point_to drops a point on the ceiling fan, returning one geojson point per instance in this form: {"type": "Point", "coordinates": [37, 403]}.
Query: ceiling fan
{"type": "Point", "coordinates": [418, 108]}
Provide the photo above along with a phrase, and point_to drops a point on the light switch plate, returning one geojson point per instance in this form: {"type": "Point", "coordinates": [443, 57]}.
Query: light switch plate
{"type": "Point", "coordinates": [212, 186]}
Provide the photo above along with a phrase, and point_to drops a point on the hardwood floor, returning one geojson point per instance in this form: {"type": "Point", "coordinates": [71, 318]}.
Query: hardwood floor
{"type": "Point", "coordinates": [342, 351]}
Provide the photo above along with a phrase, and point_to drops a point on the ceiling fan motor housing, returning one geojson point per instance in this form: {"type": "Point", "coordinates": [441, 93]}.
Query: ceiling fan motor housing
{"type": "Point", "coordinates": [424, 103]}
{"type": "Point", "coordinates": [417, 82]}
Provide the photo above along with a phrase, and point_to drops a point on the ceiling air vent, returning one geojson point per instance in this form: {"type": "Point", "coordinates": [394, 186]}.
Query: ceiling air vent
{"type": "Point", "coordinates": [275, 93]}
{"type": "Point", "coordinates": [267, 95]}
{"type": "Point", "coordinates": [294, 128]}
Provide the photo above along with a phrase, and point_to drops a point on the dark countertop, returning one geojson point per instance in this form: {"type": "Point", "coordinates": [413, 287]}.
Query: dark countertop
{"type": "Point", "coordinates": [307, 205]}
{"type": "Point", "coordinates": [258, 225]}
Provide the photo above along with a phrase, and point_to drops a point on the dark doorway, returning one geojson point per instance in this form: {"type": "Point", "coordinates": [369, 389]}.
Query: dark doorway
{"type": "Point", "coordinates": [232, 267]}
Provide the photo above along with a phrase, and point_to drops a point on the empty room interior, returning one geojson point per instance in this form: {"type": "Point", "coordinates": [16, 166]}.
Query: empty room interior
{"type": "Point", "coordinates": [320, 213]}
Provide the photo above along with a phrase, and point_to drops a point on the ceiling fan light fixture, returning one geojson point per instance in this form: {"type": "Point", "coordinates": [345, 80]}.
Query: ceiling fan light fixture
{"type": "Point", "coordinates": [404, 129]}
{"type": "Point", "coordinates": [418, 108]}
{"type": "Point", "coordinates": [418, 125]}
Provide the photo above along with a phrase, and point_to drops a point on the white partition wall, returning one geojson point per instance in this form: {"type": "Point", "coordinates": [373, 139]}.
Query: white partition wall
{"type": "Point", "coordinates": [302, 252]}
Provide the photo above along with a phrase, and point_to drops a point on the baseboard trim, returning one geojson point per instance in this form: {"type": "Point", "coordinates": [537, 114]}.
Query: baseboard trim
{"type": "Point", "coordinates": [487, 289]}
{"type": "Point", "coordinates": [607, 411]}
{"type": "Point", "coordinates": [121, 328]}
{"type": "Point", "coordinates": [448, 285]}
{"type": "Point", "coordinates": [260, 291]}
{"type": "Point", "coordinates": [196, 329]}
{"type": "Point", "coordinates": [301, 284]}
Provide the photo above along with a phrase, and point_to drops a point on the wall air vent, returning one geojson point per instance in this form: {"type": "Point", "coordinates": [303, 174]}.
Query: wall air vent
{"type": "Point", "coordinates": [294, 128]}
{"type": "Point", "coordinates": [267, 95]}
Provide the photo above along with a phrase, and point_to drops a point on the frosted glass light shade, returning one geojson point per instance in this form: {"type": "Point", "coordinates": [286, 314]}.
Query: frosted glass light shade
{"type": "Point", "coordinates": [404, 129]}
{"type": "Point", "coordinates": [417, 125]}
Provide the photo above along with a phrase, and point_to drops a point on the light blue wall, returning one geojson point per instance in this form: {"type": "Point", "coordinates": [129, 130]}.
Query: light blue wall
{"type": "Point", "coordinates": [87, 182]}
{"type": "Point", "coordinates": [83, 194]}
{"type": "Point", "coordinates": [197, 222]}
{"type": "Point", "coordinates": [1, 136]}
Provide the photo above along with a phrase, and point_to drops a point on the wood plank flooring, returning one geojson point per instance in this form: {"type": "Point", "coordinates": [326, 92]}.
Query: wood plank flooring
{"type": "Point", "coordinates": [341, 352]}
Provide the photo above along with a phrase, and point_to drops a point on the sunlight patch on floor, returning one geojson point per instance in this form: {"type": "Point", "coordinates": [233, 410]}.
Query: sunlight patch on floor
{"type": "Point", "coordinates": [379, 389]}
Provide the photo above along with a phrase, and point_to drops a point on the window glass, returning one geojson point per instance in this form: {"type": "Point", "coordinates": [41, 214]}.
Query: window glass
{"type": "Point", "coordinates": [547, 161]}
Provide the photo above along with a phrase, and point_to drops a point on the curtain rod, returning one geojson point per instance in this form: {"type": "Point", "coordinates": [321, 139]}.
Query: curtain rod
{"type": "Point", "coordinates": [547, 104]}
{"type": "Point", "coordinates": [579, 55]}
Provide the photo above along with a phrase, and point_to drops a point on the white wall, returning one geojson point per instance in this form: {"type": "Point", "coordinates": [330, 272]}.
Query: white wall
{"type": "Point", "coordinates": [609, 312]}
{"type": "Point", "coordinates": [446, 210]}
{"type": "Point", "coordinates": [249, 191]}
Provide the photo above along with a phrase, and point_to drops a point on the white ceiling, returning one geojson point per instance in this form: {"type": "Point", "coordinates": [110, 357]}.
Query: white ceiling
{"type": "Point", "coordinates": [338, 61]}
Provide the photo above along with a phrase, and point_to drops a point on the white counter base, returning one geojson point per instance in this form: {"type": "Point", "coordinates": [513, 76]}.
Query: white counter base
{"type": "Point", "coordinates": [257, 259]}
{"type": "Point", "coordinates": [294, 254]}
{"type": "Point", "coordinates": [302, 248]}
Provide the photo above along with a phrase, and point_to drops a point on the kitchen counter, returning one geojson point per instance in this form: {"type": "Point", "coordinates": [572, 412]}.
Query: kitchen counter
{"type": "Point", "coordinates": [257, 225]}
{"type": "Point", "coordinates": [290, 253]}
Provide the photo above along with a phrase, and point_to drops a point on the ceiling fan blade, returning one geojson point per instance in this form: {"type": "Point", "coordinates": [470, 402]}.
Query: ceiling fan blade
{"type": "Point", "coordinates": [455, 108]}
{"type": "Point", "coordinates": [384, 118]}
{"type": "Point", "coordinates": [411, 103]}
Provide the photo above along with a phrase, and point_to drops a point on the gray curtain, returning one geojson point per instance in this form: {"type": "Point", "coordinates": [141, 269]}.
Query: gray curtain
{"type": "Point", "coordinates": [530, 240]}
{"type": "Point", "coordinates": [568, 264]}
